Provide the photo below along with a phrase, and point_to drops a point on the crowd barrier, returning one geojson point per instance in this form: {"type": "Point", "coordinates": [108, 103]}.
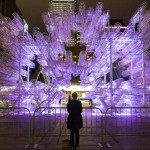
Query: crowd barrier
{"type": "Point", "coordinates": [52, 122]}
{"type": "Point", "coordinates": [19, 127]}
{"type": "Point", "coordinates": [126, 124]}
{"type": "Point", "coordinates": [15, 127]}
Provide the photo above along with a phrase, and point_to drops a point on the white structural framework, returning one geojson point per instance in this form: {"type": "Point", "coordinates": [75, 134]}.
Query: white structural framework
{"type": "Point", "coordinates": [124, 53]}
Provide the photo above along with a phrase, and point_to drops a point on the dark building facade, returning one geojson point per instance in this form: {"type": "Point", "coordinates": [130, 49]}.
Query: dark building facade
{"type": "Point", "coordinates": [8, 7]}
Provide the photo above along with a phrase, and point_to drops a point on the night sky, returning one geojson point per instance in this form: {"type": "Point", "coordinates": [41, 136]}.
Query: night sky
{"type": "Point", "coordinates": [119, 9]}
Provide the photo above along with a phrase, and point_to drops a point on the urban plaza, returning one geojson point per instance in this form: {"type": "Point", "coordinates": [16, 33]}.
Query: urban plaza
{"type": "Point", "coordinates": [79, 81]}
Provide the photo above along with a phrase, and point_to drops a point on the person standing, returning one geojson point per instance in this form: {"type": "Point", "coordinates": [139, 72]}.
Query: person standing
{"type": "Point", "coordinates": [74, 120]}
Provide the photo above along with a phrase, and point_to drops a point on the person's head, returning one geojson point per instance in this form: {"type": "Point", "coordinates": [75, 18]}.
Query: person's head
{"type": "Point", "coordinates": [74, 95]}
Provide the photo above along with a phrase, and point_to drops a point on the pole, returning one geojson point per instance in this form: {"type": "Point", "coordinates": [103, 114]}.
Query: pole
{"type": "Point", "coordinates": [111, 71]}
{"type": "Point", "coordinates": [131, 69]}
{"type": "Point", "coordinates": [25, 33]}
{"type": "Point", "coordinates": [105, 79]}
{"type": "Point", "coordinates": [143, 73]}
{"type": "Point", "coordinates": [110, 58]}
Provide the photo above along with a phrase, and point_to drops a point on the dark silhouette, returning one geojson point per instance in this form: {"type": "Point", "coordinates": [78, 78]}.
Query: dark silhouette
{"type": "Point", "coordinates": [74, 121]}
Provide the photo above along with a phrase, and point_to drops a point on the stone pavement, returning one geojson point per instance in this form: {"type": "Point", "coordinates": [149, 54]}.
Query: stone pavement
{"type": "Point", "coordinates": [14, 132]}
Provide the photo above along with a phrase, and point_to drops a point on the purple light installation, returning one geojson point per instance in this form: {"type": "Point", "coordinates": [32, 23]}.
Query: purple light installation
{"type": "Point", "coordinates": [128, 49]}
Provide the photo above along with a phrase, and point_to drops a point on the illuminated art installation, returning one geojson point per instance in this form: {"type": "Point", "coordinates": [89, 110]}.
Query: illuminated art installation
{"type": "Point", "coordinates": [126, 51]}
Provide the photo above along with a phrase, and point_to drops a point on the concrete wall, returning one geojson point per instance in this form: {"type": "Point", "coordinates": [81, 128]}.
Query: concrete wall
{"type": "Point", "coordinates": [8, 7]}
{"type": "Point", "coordinates": [1, 7]}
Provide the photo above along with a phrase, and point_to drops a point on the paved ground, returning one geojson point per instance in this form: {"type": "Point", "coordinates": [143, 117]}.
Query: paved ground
{"type": "Point", "coordinates": [15, 131]}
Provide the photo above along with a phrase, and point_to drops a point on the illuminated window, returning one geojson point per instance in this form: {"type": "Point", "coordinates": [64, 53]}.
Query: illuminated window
{"type": "Point", "coordinates": [61, 7]}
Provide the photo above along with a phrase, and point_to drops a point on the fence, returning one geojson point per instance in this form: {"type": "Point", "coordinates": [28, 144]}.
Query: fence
{"type": "Point", "coordinates": [50, 123]}
{"type": "Point", "coordinates": [127, 125]}
{"type": "Point", "coordinates": [15, 126]}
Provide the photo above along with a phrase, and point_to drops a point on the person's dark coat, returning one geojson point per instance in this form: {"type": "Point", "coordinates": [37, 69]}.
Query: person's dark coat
{"type": "Point", "coordinates": [74, 120]}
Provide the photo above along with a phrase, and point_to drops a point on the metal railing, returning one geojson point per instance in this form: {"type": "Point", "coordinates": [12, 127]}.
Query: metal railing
{"type": "Point", "coordinates": [126, 123]}
{"type": "Point", "coordinates": [15, 127]}
{"type": "Point", "coordinates": [52, 122]}
{"type": "Point", "coordinates": [49, 124]}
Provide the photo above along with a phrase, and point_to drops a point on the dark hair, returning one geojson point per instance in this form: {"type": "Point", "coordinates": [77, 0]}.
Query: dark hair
{"type": "Point", "coordinates": [74, 95]}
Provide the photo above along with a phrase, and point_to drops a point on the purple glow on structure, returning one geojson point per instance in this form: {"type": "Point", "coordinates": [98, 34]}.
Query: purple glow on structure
{"type": "Point", "coordinates": [127, 52]}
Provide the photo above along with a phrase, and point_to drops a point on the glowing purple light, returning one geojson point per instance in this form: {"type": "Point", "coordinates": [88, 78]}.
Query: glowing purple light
{"type": "Point", "coordinates": [107, 47]}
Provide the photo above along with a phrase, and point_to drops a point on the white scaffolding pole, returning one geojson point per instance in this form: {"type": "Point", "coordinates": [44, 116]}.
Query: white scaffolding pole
{"type": "Point", "coordinates": [19, 76]}
{"type": "Point", "coordinates": [105, 79]}
{"type": "Point", "coordinates": [111, 70]}
{"type": "Point", "coordinates": [132, 69]}
{"type": "Point", "coordinates": [110, 58]}
{"type": "Point", "coordinates": [25, 33]}
{"type": "Point", "coordinates": [143, 72]}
